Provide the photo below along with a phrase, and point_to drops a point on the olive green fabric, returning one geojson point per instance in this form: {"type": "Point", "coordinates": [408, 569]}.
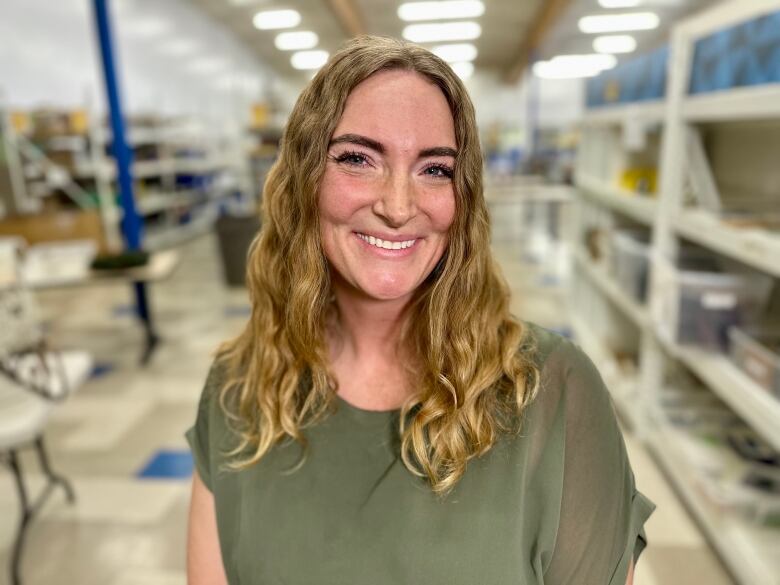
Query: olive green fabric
{"type": "Point", "coordinates": [555, 505]}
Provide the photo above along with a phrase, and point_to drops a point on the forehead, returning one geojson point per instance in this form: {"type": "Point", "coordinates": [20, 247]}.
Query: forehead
{"type": "Point", "coordinates": [402, 108]}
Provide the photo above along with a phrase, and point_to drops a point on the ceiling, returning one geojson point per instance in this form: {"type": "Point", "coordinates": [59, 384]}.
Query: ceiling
{"type": "Point", "coordinates": [503, 29]}
{"type": "Point", "coordinates": [564, 37]}
{"type": "Point", "coordinates": [510, 28]}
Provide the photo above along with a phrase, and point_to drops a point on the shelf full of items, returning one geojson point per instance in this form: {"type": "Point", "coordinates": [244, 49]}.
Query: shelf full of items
{"type": "Point", "coordinates": [182, 172]}
{"type": "Point", "coordinates": [677, 266]}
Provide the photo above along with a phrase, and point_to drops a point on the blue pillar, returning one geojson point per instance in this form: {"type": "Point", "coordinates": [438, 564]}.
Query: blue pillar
{"type": "Point", "coordinates": [132, 228]}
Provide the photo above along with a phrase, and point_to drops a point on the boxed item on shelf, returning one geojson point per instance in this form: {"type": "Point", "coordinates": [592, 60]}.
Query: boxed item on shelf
{"type": "Point", "coordinates": [639, 180]}
{"type": "Point", "coordinates": [56, 226]}
{"type": "Point", "coordinates": [595, 238]}
{"type": "Point", "coordinates": [732, 468]}
{"type": "Point", "coordinates": [697, 303]}
{"type": "Point", "coordinates": [630, 262]}
{"type": "Point", "coordinates": [756, 352]}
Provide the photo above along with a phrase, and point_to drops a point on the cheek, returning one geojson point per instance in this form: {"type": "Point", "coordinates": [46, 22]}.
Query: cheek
{"type": "Point", "coordinates": [340, 197]}
{"type": "Point", "coordinates": [440, 208]}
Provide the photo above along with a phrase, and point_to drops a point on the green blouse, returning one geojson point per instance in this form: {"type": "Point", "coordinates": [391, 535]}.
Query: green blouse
{"type": "Point", "coordinates": [554, 505]}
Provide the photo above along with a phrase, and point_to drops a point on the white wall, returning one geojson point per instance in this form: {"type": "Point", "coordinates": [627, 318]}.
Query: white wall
{"type": "Point", "coordinates": [559, 103]}
{"type": "Point", "coordinates": [49, 57]}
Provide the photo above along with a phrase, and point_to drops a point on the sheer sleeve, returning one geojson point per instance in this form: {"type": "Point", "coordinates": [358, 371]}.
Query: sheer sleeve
{"type": "Point", "coordinates": [602, 515]}
{"type": "Point", "coordinates": [199, 436]}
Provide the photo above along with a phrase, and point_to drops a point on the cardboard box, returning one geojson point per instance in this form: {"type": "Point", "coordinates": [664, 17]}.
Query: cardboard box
{"type": "Point", "coordinates": [53, 226]}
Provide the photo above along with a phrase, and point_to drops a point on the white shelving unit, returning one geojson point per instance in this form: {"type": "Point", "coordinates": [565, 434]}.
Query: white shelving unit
{"type": "Point", "coordinates": [749, 551]}
{"type": "Point", "coordinates": [184, 147]}
{"type": "Point", "coordinates": [601, 279]}
{"type": "Point", "coordinates": [640, 208]}
{"type": "Point", "coordinates": [679, 213]}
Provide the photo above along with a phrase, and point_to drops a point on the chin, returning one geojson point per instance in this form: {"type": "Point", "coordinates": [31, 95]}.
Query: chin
{"type": "Point", "coordinates": [387, 289]}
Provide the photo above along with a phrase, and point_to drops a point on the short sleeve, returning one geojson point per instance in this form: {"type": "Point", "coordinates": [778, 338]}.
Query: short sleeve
{"type": "Point", "coordinates": [200, 435]}
{"type": "Point", "coordinates": [602, 514]}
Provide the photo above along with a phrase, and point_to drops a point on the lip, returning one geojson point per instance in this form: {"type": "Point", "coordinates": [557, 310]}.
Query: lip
{"type": "Point", "coordinates": [385, 253]}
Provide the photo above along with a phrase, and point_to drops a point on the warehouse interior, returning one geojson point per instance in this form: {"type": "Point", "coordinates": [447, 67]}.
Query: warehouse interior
{"type": "Point", "coordinates": [630, 170]}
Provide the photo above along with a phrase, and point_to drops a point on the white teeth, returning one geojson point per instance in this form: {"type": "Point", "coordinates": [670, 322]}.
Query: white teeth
{"type": "Point", "coordinates": [387, 245]}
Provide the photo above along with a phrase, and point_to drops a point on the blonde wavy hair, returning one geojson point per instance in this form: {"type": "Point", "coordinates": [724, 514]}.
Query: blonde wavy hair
{"type": "Point", "coordinates": [474, 371]}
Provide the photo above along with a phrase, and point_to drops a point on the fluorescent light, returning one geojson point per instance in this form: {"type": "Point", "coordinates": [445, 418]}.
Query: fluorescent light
{"type": "Point", "coordinates": [274, 19]}
{"type": "Point", "coordinates": [293, 41]}
{"type": "Point", "coordinates": [574, 66]}
{"type": "Point", "coordinates": [178, 47]}
{"type": "Point", "coordinates": [464, 69]}
{"type": "Point", "coordinates": [614, 44]}
{"type": "Point", "coordinates": [450, 31]}
{"type": "Point", "coordinates": [620, 3]}
{"type": "Point", "coordinates": [445, 10]}
{"type": "Point", "coordinates": [456, 52]}
{"type": "Point", "coordinates": [309, 59]}
{"type": "Point", "coordinates": [605, 23]}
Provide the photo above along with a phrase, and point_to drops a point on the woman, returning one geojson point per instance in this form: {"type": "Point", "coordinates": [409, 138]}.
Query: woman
{"type": "Point", "coordinates": [383, 418]}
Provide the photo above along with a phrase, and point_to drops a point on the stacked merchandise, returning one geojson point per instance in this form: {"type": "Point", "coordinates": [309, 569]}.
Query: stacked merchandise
{"type": "Point", "coordinates": [734, 470]}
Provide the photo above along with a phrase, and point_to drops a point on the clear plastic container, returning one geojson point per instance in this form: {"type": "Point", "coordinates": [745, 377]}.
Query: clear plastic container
{"type": "Point", "coordinates": [630, 262]}
{"type": "Point", "coordinates": [697, 307]}
{"type": "Point", "coordinates": [756, 352]}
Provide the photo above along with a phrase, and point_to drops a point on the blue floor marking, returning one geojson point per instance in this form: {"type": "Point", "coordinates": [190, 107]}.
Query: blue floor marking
{"type": "Point", "coordinates": [167, 464]}
{"type": "Point", "coordinates": [124, 311]}
{"type": "Point", "coordinates": [101, 369]}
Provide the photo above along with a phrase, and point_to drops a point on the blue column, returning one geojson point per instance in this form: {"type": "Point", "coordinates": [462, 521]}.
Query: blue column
{"type": "Point", "coordinates": [132, 227]}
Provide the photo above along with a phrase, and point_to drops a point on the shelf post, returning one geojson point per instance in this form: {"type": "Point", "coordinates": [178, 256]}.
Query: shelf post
{"type": "Point", "coordinates": [132, 228]}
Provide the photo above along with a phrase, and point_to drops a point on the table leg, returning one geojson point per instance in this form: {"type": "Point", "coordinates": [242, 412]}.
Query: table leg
{"type": "Point", "coordinates": [145, 314]}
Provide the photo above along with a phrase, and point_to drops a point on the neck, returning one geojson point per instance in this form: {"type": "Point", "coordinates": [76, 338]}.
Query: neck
{"type": "Point", "coordinates": [367, 329]}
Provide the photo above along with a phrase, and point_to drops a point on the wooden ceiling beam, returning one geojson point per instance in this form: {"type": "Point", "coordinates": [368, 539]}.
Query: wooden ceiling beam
{"type": "Point", "coordinates": [349, 17]}
{"type": "Point", "coordinates": [547, 14]}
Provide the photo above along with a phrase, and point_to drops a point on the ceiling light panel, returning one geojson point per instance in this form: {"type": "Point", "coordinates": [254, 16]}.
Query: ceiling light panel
{"type": "Point", "coordinates": [444, 10]}
{"type": "Point", "coordinates": [574, 66]}
{"type": "Point", "coordinates": [295, 41]}
{"type": "Point", "coordinates": [450, 31]}
{"type": "Point", "coordinates": [606, 23]}
{"type": "Point", "coordinates": [276, 19]}
{"type": "Point", "coordinates": [614, 44]}
{"type": "Point", "coordinates": [456, 52]}
{"type": "Point", "coordinates": [309, 59]}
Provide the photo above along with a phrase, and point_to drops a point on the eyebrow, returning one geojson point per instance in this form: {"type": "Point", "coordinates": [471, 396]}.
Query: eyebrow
{"type": "Point", "coordinates": [379, 147]}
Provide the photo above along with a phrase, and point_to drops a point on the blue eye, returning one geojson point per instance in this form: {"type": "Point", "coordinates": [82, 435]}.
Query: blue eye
{"type": "Point", "coordinates": [439, 171]}
{"type": "Point", "coordinates": [352, 158]}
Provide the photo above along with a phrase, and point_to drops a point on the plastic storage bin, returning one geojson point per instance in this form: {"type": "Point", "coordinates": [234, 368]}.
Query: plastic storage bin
{"type": "Point", "coordinates": [757, 353]}
{"type": "Point", "coordinates": [697, 307]}
{"type": "Point", "coordinates": [630, 262]}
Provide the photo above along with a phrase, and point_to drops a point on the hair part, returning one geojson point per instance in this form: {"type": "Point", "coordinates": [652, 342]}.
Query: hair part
{"type": "Point", "coordinates": [474, 365]}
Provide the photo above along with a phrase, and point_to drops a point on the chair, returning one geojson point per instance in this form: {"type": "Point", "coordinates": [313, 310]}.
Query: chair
{"type": "Point", "coordinates": [33, 379]}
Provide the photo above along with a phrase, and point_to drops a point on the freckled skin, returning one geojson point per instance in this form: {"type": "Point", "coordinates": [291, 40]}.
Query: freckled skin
{"type": "Point", "coordinates": [395, 192]}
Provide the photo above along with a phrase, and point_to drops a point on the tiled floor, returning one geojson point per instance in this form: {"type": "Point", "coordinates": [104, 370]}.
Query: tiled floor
{"type": "Point", "coordinates": [126, 530]}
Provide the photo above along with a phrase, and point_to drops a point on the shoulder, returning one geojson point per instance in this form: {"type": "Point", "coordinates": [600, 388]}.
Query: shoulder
{"type": "Point", "coordinates": [566, 374]}
{"type": "Point", "coordinates": [552, 354]}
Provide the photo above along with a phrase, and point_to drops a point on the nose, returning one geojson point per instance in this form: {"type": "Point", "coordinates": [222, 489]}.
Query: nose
{"type": "Point", "coordinates": [396, 201]}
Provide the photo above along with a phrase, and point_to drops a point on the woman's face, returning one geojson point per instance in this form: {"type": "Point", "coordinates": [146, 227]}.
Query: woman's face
{"type": "Point", "coordinates": [386, 199]}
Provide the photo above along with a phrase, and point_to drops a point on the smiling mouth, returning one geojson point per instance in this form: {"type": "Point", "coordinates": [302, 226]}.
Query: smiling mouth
{"type": "Point", "coordinates": [386, 244]}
